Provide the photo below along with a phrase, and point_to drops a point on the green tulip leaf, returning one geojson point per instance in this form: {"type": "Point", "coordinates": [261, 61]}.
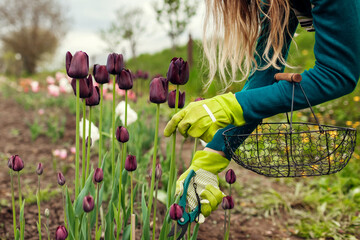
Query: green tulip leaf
{"type": "Point", "coordinates": [79, 200]}
{"type": "Point", "coordinates": [195, 232]}
{"type": "Point", "coordinates": [127, 231]}
{"type": "Point", "coordinates": [17, 236]}
{"type": "Point", "coordinates": [84, 226]}
{"type": "Point", "coordinates": [146, 221]}
{"type": "Point", "coordinates": [70, 216]}
{"type": "Point", "coordinates": [98, 234]}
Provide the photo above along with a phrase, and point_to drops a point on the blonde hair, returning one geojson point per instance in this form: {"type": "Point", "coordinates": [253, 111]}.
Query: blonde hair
{"type": "Point", "coordinates": [236, 27]}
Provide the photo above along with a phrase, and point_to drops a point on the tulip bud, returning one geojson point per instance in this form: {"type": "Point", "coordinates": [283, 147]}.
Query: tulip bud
{"type": "Point", "coordinates": [16, 163]}
{"type": "Point", "coordinates": [172, 99]}
{"type": "Point", "coordinates": [230, 176]}
{"type": "Point", "coordinates": [227, 203]}
{"type": "Point", "coordinates": [77, 66]}
{"type": "Point", "coordinates": [88, 203]}
{"type": "Point", "coordinates": [159, 90]}
{"type": "Point", "coordinates": [47, 212]}
{"type": "Point", "coordinates": [95, 97]}
{"type": "Point", "coordinates": [39, 169]}
{"type": "Point", "coordinates": [130, 163]}
{"type": "Point", "coordinates": [175, 212]}
{"type": "Point", "coordinates": [178, 72]}
{"type": "Point", "coordinates": [100, 73]}
{"type": "Point", "coordinates": [158, 171]}
{"type": "Point", "coordinates": [115, 63]}
{"type": "Point", "coordinates": [98, 175]}
{"type": "Point", "coordinates": [61, 179]}
{"type": "Point", "coordinates": [125, 79]}
{"type": "Point", "coordinates": [122, 134]}
{"type": "Point", "coordinates": [86, 86]}
{"type": "Point", "coordinates": [61, 233]}
{"type": "Point", "coordinates": [199, 99]}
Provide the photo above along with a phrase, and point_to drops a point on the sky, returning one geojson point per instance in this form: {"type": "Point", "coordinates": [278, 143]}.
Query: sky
{"type": "Point", "coordinates": [88, 17]}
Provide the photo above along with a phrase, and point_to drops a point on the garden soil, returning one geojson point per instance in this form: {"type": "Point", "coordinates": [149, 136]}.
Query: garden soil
{"type": "Point", "coordinates": [16, 139]}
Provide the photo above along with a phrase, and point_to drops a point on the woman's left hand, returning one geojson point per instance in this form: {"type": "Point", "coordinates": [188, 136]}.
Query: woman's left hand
{"type": "Point", "coordinates": [203, 118]}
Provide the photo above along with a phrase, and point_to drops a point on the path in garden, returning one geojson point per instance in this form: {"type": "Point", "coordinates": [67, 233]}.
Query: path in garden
{"type": "Point", "coordinates": [15, 138]}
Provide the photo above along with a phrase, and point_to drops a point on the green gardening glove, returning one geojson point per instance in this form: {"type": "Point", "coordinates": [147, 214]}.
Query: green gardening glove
{"type": "Point", "coordinates": [206, 165]}
{"type": "Point", "coordinates": [203, 118]}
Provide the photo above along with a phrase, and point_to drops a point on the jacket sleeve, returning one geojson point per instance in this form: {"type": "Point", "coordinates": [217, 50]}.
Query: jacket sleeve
{"type": "Point", "coordinates": [336, 70]}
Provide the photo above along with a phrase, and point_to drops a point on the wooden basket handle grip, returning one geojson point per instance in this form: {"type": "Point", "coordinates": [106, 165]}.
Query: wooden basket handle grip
{"type": "Point", "coordinates": [290, 77]}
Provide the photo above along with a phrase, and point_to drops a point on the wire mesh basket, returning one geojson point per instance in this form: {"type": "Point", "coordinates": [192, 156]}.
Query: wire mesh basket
{"type": "Point", "coordinates": [292, 149]}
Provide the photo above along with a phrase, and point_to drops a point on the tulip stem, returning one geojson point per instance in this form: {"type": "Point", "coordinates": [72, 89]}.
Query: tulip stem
{"type": "Point", "coordinates": [172, 162]}
{"type": "Point", "coordinates": [113, 131]}
{"type": "Point", "coordinates": [89, 230]}
{"type": "Point", "coordinates": [97, 207]}
{"type": "Point", "coordinates": [175, 230]}
{"type": "Point", "coordinates": [154, 215]}
{"type": "Point", "coordinates": [100, 124]}
{"type": "Point", "coordinates": [38, 203]}
{"type": "Point", "coordinates": [89, 141]}
{"type": "Point", "coordinates": [194, 150]}
{"type": "Point", "coordinates": [64, 201]}
{"type": "Point", "coordinates": [119, 200]}
{"type": "Point", "coordinates": [151, 190]}
{"type": "Point", "coordinates": [77, 140]}
{"type": "Point", "coordinates": [132, 205]}
{"type": "Point", "coordinates": [83, 165]}
{"type": "Point", "coordinates": [13, 202]}
{"type": "Point", "coordinates": [20, 198]}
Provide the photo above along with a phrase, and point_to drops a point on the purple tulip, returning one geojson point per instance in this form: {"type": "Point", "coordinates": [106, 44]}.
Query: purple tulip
{"type": "Point", "coordinates": [88, 203]}
{"type": "Point", "coordinates": [130, 163]}
{"type": "Point", "coordinates": [95, 97]}
{"type": "Point", "coordinates": [159, 90]}
{"type": "Point", "coordinates": [125, 79]}
{"type": "Point", "coordinates": [100, 73]}
{"type": "Point", "coordinates": [230, 176]}
{"type": "Point", "coordinates": [227, 203]}
{"type": "Point", "coordinates": [171, 99]}
{"type": "Point", "coordinates": [98, 175]}
{"type": "Point", "coordinates": [178, 72]}
{"type": "Point", "coordinates": [77, 66]}
{"type": "Point", "coordinates": [122, 134]}
{"type": "Point", "coordinates": [86, 86]}
{"type": "Point", "coordinates": [16, 163]}
{"type": "Point", "coordinates": [115, 63]}
{"type": "Point", "coordinates": [175, 212]}
{"type": "Point", "coordinates": [61, 179]}
{"type": "Point", "coordinates": [39, 169]}
{"type": "Point", "coordinates": [158, 171]}
{"type": "Point", "coordinates": [61, 233]}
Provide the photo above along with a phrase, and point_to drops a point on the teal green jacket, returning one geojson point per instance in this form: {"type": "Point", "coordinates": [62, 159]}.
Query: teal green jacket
{"type": "Point", "coordinates": [335, 74]}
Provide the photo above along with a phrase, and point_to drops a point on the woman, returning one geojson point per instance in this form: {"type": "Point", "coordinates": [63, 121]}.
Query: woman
{"type": "Point", "coordinates": [254, 36]}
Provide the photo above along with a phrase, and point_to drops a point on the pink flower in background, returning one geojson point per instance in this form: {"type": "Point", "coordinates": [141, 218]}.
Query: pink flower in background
{"type": "Point", "coordinates": [73, 150]}
{"type": "Point", "coordinates": [35, 86]}
{"type": "Point", "coordinates": [41, 111]}
{"type": "Point", "coordinates": [64, 85]}
{"type": "Point", "coordinates": [56, 152]}
{"type": "Point", "coordinates": [59, 75]}
{"type": "Point", "coordinates": [132, 95]}
{"type": "Point", "coordinates": [63, 154]}
{"type": "Point", "coordinates": [50, 80]}
{"type": "Point", "coordinates": [53, 90]}
{"type": "Point", "coordinates": [121, 92]}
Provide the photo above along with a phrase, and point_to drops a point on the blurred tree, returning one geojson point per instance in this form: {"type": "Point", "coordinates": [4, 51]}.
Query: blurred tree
{"type": "Point", "coordinates": [175, 15]}
{"type": "Point", "coordinates": [129, 25]}
{"type": "Point", "coordinates": [31, 28]}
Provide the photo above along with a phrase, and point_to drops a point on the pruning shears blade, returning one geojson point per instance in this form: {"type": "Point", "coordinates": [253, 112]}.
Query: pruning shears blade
{"type": "Point", "coordinates": [179, 227]}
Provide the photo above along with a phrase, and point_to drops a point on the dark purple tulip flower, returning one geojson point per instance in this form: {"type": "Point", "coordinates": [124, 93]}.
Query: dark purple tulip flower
{"type": "Point", "coordinates": [95, 97]}
{"type": "Point", "coordinates": [100, 73]}
{"type": "Point", "coordinates": [130, 163]}
{"type": "Point", "coordinates": [159, 90]}
{"type": "Point", "coordinates": [16, 163]}
{"type": "Point", "coordinates": [176, 211]}
{"type": "Point", "coordinates": [98, 175]}
{"type": "Point", "coordinates": [77, 66]}
{"type": "Point", "coordinates": [158, 171]}
{"type": "Point", "coordinates": [61, 233]}
{"type": "Point", "coordinates": [88, 203]}
{"type": "Point", "coordinates": [178, 72]}
{"type": "Point", "coordinates": [86, 86]}
{"type": "Point", "coordinates": [39, 169]}
{"type": "Point", "coordinates": [61, 179]}
{"type": "Point", "coordinates": [115, 63]}
{"type": "Point", "coordinates": [172, 96]}
{"type": "Point", "coordinates": [227, 203]}
{"type": "Point", "coordinates": [125, 79]}
{"type": "Point", "coordinates": [122, 134]}
{"type": "Point", "coordinates": [230, 176]}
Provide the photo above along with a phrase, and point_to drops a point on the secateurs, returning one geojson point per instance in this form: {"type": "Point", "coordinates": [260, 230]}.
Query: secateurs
{"type": "Point", "coordinates": [187, 218]}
